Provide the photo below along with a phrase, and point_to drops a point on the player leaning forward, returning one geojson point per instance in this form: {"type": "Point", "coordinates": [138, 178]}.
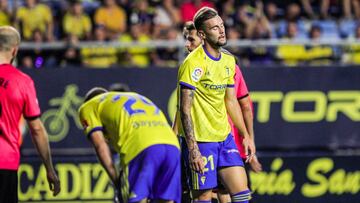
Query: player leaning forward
{"type": "Point", "coordinates": [206, 80]}
{"type": "Point", "coordinates": [139, 132]}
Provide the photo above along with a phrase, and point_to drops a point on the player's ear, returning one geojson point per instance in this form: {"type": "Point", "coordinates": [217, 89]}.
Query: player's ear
{"type": "Point", "coordinates": [201, 34]}
{"type": "Point", "coordinates": [14, 51]}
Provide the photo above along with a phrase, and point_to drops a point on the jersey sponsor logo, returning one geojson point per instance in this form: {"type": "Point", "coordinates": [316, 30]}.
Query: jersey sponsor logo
{"type": "Point", "coordinates": [215, 87]}
{"type": "Point", "coordinates": [196, 75]}
{"type": "Point", "coordinates": [138, 124]}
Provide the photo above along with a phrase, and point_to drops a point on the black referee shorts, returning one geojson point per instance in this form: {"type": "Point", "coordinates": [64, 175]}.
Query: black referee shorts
{"type": "Point", "coordinates": [8, 186]}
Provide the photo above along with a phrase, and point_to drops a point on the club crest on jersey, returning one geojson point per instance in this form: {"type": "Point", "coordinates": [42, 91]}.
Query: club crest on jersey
{"type": "Point", "coordinates": [227, 70]}
{"type": "Point", "coordinates": [196, 75]}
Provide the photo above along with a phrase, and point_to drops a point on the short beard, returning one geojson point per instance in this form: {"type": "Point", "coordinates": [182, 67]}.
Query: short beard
{"type": "Point", "coordinates": [217, 45]}
{"type": "Point", "coordinates": [221, 44]}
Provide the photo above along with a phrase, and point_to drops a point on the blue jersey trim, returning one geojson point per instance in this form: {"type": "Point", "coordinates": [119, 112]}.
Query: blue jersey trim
{"type": "Point", "coordinates": [187, 85]}
{"type": "Point", "coordinates": [99, 128]}
{"type": "Point", "coordinates": [231, 86]}
{"type": "Point", "coordinates": [211, 57]}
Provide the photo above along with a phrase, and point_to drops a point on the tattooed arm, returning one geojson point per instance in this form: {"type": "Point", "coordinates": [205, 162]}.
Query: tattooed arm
{"type": "Point", "coordinates": [186, 100]}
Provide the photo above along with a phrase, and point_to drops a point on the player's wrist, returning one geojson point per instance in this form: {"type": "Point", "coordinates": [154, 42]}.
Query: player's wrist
{"type": "Point", "coordinates": [246, 137]}
{"type": "Point", "coordinates": [49, 167]}
{"type": "Point", "coordinates": [191, 144]}
{"type": "Point", "coordinates": [194, 154]}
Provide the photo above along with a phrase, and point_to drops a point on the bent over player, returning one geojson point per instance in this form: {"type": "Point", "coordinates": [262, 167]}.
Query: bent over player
{"type": "Point", "coordinates": [139, 132]}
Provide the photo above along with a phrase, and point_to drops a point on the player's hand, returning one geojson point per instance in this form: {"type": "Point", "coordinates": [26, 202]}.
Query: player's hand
{"type": "Point", "coordinates": [54, 182]}
{"type": "Point", "coordinates": [249, 148]}
{"type": "Point", "coordinates": [255, 164]}
{"type": "Point", "coordinates": [116, 196]}
{"type": "Point", "coordinates": [195, 160]}
{"type": "Point", "coordinates": [117, 187]}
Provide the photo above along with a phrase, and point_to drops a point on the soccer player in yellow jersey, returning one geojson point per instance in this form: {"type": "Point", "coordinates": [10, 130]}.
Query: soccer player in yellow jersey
{"type": "Point", "coordinates": [206, 81]}
{"type": "Point", "coordinates": [139, 132]}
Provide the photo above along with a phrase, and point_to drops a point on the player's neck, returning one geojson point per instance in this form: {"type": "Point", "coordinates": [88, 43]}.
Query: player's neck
{"type": "Point", "coordinates": [4, 59]}
{"type": "Point", "coordinates": [213, 52]}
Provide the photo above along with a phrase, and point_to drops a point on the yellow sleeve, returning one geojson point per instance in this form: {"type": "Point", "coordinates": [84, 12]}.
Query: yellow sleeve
{"type": "Point", "coordinates": [231, 81]}
{"type": "Point", "coordinates": [190, 75]}
{"type": "Point", "coordinates": [90, 120]}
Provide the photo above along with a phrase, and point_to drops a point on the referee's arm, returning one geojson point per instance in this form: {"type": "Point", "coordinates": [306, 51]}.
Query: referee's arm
{"type": "Point", "coordinates": [41, 142]}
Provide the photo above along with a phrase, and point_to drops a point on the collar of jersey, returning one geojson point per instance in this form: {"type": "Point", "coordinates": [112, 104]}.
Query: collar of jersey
{"type": "Point", "coordinates": [209, 55]}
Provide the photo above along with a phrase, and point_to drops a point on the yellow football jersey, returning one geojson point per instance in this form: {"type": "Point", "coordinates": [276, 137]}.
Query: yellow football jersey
{"type": "Point", "coordinates": [209, 77]}
{"type": "Point", "coordinates": [129, 121]}
{"type": "Point", "coordinates": [34, 18]}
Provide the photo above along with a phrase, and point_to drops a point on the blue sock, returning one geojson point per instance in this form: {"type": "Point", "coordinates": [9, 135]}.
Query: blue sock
{"type": "Point", "coordinates": [241, 197]}
{"type": "Point", "coordinates": [201, 201]}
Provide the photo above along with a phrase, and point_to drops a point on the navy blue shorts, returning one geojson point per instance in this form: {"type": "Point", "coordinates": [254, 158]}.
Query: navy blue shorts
{"type": "Point", "coordinates": [215, 156]}
{"type": "Point", "coordinates": [153, 174]}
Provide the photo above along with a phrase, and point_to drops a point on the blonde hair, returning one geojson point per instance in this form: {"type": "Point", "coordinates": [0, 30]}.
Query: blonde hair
{"type": "Point", "coordinates": [9, 38]}
{"type": "Point", "coordinates": [202, 15]}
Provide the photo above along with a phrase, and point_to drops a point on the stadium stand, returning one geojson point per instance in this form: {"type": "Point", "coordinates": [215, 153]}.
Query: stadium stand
{"type": "Point", "coordinates": [251, 20]}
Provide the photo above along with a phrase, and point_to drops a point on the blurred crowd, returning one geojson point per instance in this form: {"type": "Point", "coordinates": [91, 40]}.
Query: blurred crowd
{"type": "Point", "coordinates": [75, 21]}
